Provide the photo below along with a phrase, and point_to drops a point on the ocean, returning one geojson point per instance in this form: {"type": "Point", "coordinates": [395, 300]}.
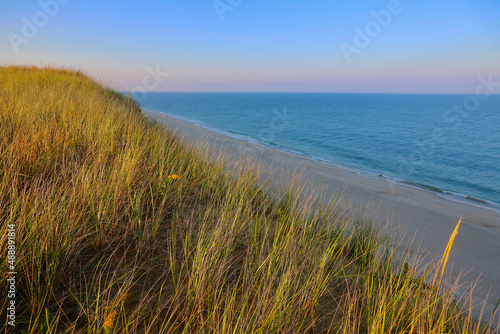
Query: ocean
{"type": "Point", "coordinates": [445, 143]}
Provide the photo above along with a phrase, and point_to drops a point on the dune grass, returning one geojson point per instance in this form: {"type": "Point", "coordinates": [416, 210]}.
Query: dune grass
{"type": "Point", "coordinates": [119, 228]}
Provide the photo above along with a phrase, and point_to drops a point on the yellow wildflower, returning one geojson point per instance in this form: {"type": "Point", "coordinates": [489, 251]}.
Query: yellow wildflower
{"type": "Point", "coordinates": [174, 177]}
{"type": "Point", "coordinates": [109, 323]}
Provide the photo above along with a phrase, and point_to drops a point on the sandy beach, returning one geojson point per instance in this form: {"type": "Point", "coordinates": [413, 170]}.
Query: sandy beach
{"type": "Point", "coordinates": [426, 218]}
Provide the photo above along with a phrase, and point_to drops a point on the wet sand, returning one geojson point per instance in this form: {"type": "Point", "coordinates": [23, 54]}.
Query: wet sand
{"type": "Point", "coordinates": [426, 218]}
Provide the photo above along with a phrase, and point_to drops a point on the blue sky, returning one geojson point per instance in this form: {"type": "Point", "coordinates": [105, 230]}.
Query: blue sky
{"type": "Point", "coordinates": [417, 46]}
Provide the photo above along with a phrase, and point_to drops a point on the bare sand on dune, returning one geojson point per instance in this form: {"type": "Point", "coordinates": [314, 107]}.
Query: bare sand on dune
{"type": "Point", "coordinates": [426, 217]}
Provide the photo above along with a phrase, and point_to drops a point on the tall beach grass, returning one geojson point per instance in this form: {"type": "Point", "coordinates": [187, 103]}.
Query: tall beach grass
{"type": "Point", "coordinates": [122, 229]}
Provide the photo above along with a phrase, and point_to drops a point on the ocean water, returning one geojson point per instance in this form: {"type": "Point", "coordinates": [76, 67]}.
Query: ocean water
{"type": "Point", "coordinates": [446, 143]}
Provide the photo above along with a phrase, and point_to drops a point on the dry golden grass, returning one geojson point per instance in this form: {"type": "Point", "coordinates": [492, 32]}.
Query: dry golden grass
{"type": "Point", "coordinates": [121, 229]}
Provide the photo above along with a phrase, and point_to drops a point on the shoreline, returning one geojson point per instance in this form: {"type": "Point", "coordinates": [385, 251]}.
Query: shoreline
{"type": "Point", "coordinates": [422, 217]}
{"type": "Point", "coordinates": [452, 196]}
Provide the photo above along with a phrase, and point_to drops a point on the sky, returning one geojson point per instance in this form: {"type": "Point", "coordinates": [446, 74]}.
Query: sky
{"type": "Point", "coordinates": [407, 46]}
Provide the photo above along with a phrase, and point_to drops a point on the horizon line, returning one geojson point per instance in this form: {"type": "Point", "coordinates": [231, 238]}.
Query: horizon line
{"type": "Point", "coordinates": [298, 92]}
